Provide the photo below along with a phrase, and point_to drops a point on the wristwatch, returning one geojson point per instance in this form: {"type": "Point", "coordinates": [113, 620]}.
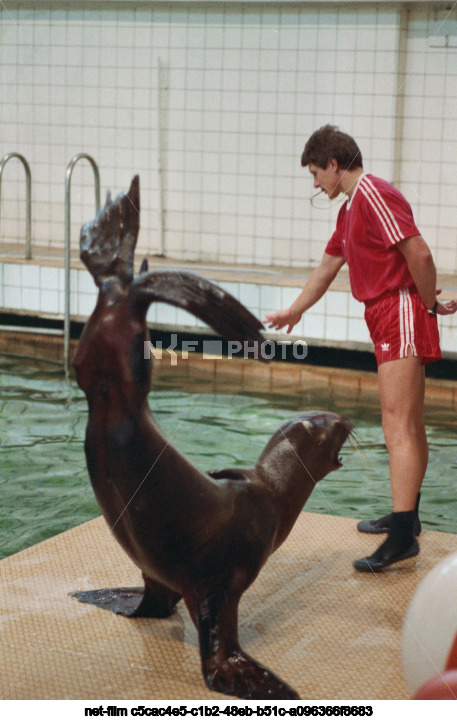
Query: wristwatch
{"type": "Point", "coordinates": [432, 311]}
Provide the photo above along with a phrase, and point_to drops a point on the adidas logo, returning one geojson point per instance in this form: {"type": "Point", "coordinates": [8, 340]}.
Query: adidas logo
{"type": "Point", "coordinates": [385, 346]}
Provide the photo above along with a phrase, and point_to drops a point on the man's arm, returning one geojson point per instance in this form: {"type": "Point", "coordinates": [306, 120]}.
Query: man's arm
{"type": "Point", "coordinates": [422, 268]}
{"type": "Point", "coordinates": [315, 287]}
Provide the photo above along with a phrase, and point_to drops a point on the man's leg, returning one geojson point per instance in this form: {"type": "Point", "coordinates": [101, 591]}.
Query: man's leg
{"type": "Point", "coordinates": [401, 392]}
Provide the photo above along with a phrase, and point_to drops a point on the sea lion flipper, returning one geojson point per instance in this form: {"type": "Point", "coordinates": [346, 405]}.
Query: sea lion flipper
{"type": "Point", "coordinates": [123, 601]}
{"type": "Point", "coordinates": [232, 474]}
{"type": "Point", "coordinates": [207, 301]}
{"type": "Point", "coordinates": [226, 667]}
{"type": "Point", "coordinates": [107, 244]}
{"type": "Point", "coordinates": [152, 601]}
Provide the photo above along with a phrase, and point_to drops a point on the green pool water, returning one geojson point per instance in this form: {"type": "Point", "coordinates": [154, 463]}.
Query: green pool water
{"type": "Point", "coordinates": [45, 488]}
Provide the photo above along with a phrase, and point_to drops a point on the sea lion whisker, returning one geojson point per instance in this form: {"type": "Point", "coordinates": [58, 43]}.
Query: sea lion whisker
{"type": "Point", "coordinates": [354, 436]}
{"type": "Point", "coordinates": [355, 441]}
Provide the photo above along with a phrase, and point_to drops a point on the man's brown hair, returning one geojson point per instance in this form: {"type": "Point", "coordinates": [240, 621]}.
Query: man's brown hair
{"type": "Point", "coordinates": [328, 142]}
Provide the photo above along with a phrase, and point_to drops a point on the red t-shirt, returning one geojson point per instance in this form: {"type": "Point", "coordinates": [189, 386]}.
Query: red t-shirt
{"type": "Point", "coordinates": [368, 227]}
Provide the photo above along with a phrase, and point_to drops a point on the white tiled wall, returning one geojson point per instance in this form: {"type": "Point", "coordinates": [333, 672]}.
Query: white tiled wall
{"type": "Point", "coordinates": [336, 319]}
{"type": "Point", "coordinates": [34, 288]}
{"type": "Point", "coordinates": [39, 289]}
{"type": "Point", "coordinates": [241, 88]}
{"type": "Point", "coordinates": [429, 147]}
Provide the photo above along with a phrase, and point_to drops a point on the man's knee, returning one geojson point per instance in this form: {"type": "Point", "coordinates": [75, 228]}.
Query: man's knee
{"type": "Point", "coordinates": [399, 430]}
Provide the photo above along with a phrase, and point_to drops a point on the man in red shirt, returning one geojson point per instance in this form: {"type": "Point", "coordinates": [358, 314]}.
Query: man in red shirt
{"type": "Point", "coordinates": [391, 270]}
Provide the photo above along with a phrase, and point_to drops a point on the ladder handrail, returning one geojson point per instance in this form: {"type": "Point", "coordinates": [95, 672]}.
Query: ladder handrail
{"type": "Point", "coordinates": [28, 198]}
{"type": "Point", "coordinates": [76, 158]}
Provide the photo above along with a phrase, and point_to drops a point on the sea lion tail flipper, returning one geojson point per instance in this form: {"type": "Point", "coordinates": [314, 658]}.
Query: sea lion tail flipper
{"type": "Point", "coordinates": [107, 244]}
{"type": "Point", "coordinates": [226, 667]}
{"type": "Point", "coordinates": [207, 301]}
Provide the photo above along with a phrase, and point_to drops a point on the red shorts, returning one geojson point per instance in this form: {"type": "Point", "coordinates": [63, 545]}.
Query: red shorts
{"type": "Point", "coordinates": [400, 326]}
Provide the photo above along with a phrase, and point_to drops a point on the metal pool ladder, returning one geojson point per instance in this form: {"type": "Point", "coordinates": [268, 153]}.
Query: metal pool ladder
{"type": "Point", "coordinates": [66, 329]}
{"type": "Point", "coordinates": [28, 198]}
{"type": "Point", "coordinates": [28, 239]}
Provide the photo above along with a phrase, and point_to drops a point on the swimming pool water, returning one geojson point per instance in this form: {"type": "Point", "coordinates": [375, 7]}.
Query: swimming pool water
{"type": "Point", "coordinates": [44, 484]}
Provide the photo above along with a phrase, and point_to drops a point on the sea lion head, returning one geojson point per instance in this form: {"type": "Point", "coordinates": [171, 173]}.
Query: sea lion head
{"type": "Point", "coordinates": [301, 452]}
{"type": "Point", "coordinates": [317, 439]}
{"type": "Point", "coordinates": [325, 433]}
{"type": "Point", "coordinates": [308, 445]}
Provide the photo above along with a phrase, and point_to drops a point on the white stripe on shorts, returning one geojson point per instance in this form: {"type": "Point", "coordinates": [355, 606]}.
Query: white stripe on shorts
{"type": "Point", "coordinates": [407, 340]}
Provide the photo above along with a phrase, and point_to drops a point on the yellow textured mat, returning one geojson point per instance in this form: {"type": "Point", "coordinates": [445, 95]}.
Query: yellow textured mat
{"type": "Point", "coordinates": [330, 632]}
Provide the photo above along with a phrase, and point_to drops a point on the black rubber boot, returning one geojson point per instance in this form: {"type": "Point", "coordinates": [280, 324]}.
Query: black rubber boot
{"type": "Point", "coordinates": [382, 525]}
{"type": "Point", "coordinates": [399, 545]}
